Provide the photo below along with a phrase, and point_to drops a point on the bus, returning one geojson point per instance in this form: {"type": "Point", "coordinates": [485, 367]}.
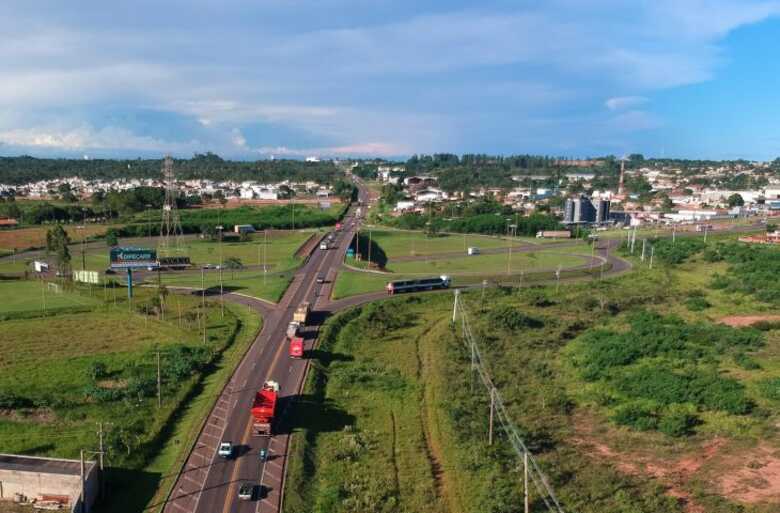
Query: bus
{"type": "Point", "coordinates": [176, 262]}
{"type": "Point", "coordinates": [394, 287]}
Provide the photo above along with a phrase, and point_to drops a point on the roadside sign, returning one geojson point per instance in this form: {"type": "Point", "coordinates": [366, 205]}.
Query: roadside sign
{"type": "Point", "coordinates": [133, 258]}
{"type": "Point", "coordinates": [92, 277]}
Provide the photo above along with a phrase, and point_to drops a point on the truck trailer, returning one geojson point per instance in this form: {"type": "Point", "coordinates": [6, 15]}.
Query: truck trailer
{"type": "Point", "coordinates": [553, 234]}
{"type": "Point", "coordinates": [301, 314]}
{"type": "Point", "coordinates": [264, 409]}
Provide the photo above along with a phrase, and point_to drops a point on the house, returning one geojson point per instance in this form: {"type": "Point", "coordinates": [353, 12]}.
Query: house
{"type": "Point", "coordinates": [6, 223]}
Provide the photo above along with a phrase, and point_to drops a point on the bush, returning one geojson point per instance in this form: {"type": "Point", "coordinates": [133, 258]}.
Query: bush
{"type": "Point", "coordinates": [678, 420]}
{"type": "Point", "coordinates": [510, 318]}
{"type": "Point", "coordinates": [770, 389]}
{"type": "Point", "coordinates": [697, 304]}
{"type": "Point", "coordinates": [639, 415]}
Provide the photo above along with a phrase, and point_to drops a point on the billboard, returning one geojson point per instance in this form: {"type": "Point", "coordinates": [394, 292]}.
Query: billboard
{"type": "Point", "coordinates": [133, 258]}
{"type": "Point", "coordinates": [87, 277]}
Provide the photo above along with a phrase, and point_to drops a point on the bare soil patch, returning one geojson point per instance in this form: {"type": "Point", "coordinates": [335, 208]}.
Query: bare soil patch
{"type": "Point", "coordinates": [755, 476]}
{"type": "Point", "coordinates": [737, 321]}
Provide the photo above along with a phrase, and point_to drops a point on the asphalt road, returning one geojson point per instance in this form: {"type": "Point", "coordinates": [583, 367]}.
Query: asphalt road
{"type": "Point", "coordinates": [209, 483]}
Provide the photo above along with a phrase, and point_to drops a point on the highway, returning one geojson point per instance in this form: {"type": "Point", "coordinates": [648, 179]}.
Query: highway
{"type": "Point", "coordinates": [209, 483]}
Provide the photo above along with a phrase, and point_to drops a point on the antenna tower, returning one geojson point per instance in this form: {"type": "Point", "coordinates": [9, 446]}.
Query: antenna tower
{"type": "Point", "coordinates": [621, 190]}
{"type": "Point", "coordinates": [171, 224]}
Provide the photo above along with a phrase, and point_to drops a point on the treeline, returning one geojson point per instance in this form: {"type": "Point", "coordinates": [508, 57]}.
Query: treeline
{"type": "Point", "coordinates": [26, 169]}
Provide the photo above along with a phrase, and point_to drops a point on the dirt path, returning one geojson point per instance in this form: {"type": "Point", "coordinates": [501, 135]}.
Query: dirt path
{"type": "Point", "coordinates": [445, 489]}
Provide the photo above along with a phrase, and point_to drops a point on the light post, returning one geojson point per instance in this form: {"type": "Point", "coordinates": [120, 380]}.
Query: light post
{"type": "Point", "coordinates": [221, 265]}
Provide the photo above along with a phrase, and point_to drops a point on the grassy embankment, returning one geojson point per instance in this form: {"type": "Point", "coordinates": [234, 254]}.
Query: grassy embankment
{"type": "Point", "coordinates": [607, 443]}
{"type": "Point", "coordinates": [90, 362]}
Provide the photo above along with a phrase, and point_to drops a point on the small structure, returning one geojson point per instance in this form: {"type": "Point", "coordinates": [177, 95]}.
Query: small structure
{"type": "Point", "coordinates": [48, 482]}
{"type": "Point", "coordinates": [244, 228]}
{"type": "Point", "coordinates": [769, 238]}
{"type": "Point", "coordinates": [8, 223]}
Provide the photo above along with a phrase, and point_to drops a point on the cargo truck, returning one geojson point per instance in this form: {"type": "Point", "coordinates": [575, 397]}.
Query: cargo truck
{"type": "Point", "coordinates": [301, 314]}
{"type": "Point", "coordinates": [553, 234]}
{"type": "Point", "coordinates": [264, 409]}
{"type": "Point", "coordinates": [296, 347]}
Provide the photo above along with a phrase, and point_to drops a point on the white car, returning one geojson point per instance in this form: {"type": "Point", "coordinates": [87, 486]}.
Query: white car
{"type": "Point", "coordinates": [324, 245]}
{"type": "Point", "coordinates": [225, 449]}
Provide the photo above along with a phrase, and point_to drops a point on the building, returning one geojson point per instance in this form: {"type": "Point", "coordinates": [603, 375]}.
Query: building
{"type": "Point", "coordinates": [47, 481]}
{"type": "Point", "coordinates": [602, 210]}
{"type": "Point", "coordinates": [579, 210]}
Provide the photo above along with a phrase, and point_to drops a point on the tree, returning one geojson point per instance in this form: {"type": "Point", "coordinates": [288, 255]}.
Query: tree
{"type": "Point", "coordinates": [57, 241]}
{"type": "Point", "coordinates": [233, 264]}
{"type": "Point", "coordinates": [111, 238]}
{"type": "Point", "coordinates": [735, 200]}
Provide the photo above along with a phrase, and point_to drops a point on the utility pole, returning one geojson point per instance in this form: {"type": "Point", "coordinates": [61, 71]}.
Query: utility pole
{"type": "Point", "coordinates": [265, 245]}
{"type": "Point", "coordinates": [674, 234]}
{"type": "Point", "coordinates": [527, 509]}
{"type": "Point", "coordinates": [644, 246]}
{"type": "Point", "coordinates": [159, 382]}
{"type": "Point", "coordinates": [369, 248]}
{"type": "Point", "coordinates": [492, 413]}
{"type": "Point", "coordinates": [83, 485]}
{"type": "Point", "coordinates": [558, 279]}
{"type": "Point", "coordinates": [100, 454]}
{"type": "Point", "coordinates": [221, 265]}
{"type": "Point", "coordinates": [705, 234]}
{"type": "Point", "coordinates": [203, 300]}
{"type": "Point", "coordinates": [455, 306]}
{"type": "Point", "coordinates": [652, 252]}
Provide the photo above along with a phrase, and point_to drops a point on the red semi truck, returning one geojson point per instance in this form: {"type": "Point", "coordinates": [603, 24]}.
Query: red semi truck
{"type": "Point", "coordinates": [264, 409]}
{"type": "Point", "coordinates": [296, 347]}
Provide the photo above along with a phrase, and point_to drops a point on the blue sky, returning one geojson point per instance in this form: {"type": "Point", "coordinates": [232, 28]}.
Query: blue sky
{"type": "Point", "coordinates": [294, 78]}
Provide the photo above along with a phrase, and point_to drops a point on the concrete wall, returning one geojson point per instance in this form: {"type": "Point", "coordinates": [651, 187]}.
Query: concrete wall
{"type": "Point", "coordinates": [34, 484]}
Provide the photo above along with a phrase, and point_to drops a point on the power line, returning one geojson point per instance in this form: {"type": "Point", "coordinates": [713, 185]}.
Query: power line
{"type": "Point", "coordinates": [531, 468]}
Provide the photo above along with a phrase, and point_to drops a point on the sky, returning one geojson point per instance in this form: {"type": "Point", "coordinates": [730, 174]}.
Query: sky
{"type": "Point", "coordinates": [255, 79]}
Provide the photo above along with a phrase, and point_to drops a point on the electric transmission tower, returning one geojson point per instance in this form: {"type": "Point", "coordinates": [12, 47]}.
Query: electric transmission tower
{"type": "Point", "coordinates": [171, 224]}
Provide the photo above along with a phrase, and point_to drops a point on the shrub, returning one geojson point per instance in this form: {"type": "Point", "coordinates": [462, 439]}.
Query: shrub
{"type": "Point", "coordinates": [510, 318]}
{"type": "Point", "coordinates": [770, 389]}
{"type": "Point", "coordinates": [678, 420]}
{"type": "Point", "coordinates": [639, 415]}
{"type": "Point", "coordinates": [697, 304]}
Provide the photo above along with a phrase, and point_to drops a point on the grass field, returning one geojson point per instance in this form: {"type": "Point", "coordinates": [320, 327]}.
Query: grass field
{"type": "Point", "coordinates": [490, 264]}
{"type": "Point", "coordinates": [35, 237]}
{"type": "Point", "coordinates": [29, 295]}
{"type": "Point", "coordinates": [60, 375]}
{"type": "Point", "coordinates": [281, 246]}
{"type": "Point", "coordinates": [253, 282]}
{"type": "Point", "coordinates": [397, 243]}
{"type": "Point", "coordinates": [688, 456]}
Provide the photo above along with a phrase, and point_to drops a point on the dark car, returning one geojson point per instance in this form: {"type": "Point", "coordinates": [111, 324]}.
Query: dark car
{"type": "Point", "coordinates": [246, 492]}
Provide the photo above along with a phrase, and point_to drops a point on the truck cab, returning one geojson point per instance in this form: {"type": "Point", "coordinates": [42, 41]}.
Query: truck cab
{"type": "Point", "coordinates": [296, 347]}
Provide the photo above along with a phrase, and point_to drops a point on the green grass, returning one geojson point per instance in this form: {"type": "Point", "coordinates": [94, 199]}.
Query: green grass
{"type": "Point", "coordinates": [281, 246]}
{"type": "Point", "coordinates": [409, 351]}
{"type": "Point", "coordinates": [48, 391]}
{"type": "Point", "coordinates": [187, 426]}
{"type": "Point", "coordinates": [30, 295]}
{"type": "Point", "coordinates": [489, 264]}
{"type": "Point", "coordinates": [397, 243]}
{"type": "Point", "coordinates": [253, 282]}
{"type": "Point", "coordinates": [366, 445]}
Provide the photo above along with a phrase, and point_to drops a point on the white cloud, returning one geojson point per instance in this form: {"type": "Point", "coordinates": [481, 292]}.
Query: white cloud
{"type": "Point", "coordinates": [86, 137]}
{"type": "Point", "coordinates": [624, 102]}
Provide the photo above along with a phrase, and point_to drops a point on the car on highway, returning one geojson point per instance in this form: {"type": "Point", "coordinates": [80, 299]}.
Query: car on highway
{"type": "Point", "coordinates": [246, 491]}
{"type": "Point", "coordinates": [225, 449]}
{"type": "Point", "coordinates": [323, 245]}
{"type": "Point", "coordinates": [320, 278]}
{"type": "Point", "coordinates": [209, 266]}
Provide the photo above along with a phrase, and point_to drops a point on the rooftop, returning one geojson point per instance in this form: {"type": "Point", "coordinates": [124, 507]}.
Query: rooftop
{"type": "Point", "coordinates": [44, 465]}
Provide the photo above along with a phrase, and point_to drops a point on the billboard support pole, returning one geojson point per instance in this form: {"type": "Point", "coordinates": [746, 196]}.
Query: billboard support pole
{"type": "Point", "coordinates": [129, 283]}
